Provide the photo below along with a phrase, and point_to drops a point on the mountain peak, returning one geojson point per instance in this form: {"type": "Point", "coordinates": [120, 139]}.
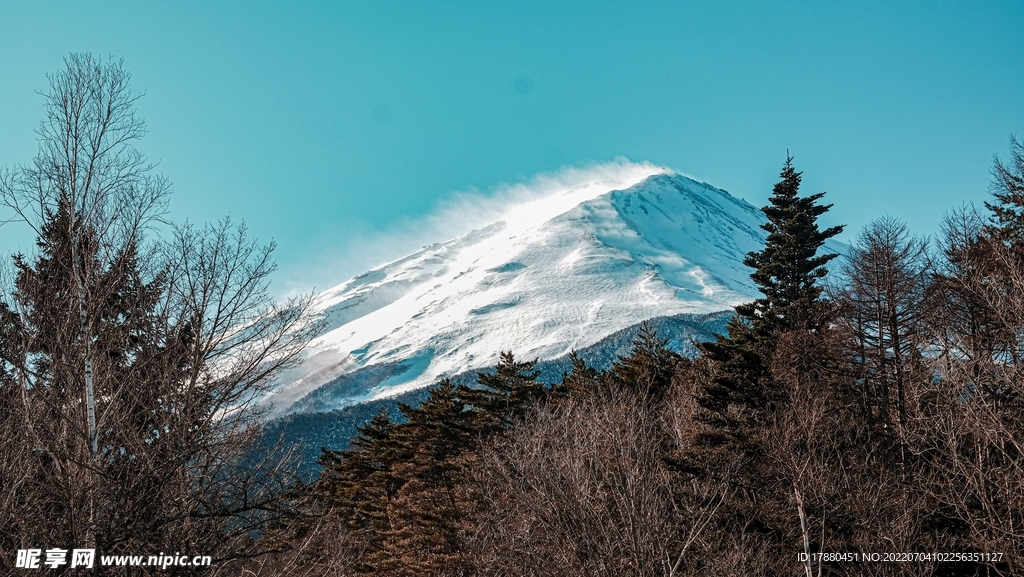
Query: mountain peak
{"type": "Point", "coordinates": [542, 281]}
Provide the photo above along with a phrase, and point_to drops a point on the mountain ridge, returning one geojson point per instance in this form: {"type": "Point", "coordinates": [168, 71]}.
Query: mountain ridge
{"type": "Point", "coordinates": [317, 425]}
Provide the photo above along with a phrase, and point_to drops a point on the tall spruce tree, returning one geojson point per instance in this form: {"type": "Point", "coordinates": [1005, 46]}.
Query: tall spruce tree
{"type": "Point", "coordinates": [788, 268]}
{"type": "Point", "coordinates": [505, 395]}
{"type": "Point", "coordinates": [648, 370]}
{"type": "Point", "coordinates": [786, 271]}
{"type": "Point", "coordinates": [741, 403]}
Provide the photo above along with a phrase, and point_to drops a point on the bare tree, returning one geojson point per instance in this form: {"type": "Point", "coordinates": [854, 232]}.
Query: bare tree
{"type": "Point", "coordinates": [970, 432]}
{"type": "Point", "coordinates": [87, 162]}
{"type": "Point", "coordinates": [130, 365]}
{"type": "Point", "coordinates": [846, 492]}
{"type": "Point", "coordinates": [580, 488]}
{"type": "Point", "coordinates": [883, 298]}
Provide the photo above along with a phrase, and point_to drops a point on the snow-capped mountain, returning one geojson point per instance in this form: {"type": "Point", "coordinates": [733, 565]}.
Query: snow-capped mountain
{"type": "Point", "coordinates": [551, 276]}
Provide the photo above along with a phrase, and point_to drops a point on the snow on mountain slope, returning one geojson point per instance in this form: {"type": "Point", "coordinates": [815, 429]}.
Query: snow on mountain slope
{"type": "Point", "coordinates": [551, 276]}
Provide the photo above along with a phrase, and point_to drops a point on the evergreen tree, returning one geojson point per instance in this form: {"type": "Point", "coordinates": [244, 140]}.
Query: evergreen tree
{"type": "Point", "coordinates": [742, 403]}
{"type": "Point", "coordinates": [786, 271]}
{"type": "Point", "coordinates": [435, 507]}
{"type": "Point", "coordinates": [131, 345]}
{"type": "Point", "coordinates": [788, 267]}
{"type": "Point", "coordinates": [127, 364]}
{"type": "Point", "coordinates": [983, 257]}
{"type": "Point", "coordinates": [503, 396]}
{"type": "Point", "coordinates": [576, 381]}
{"type": "Point", "coordinates": [649, 368]}
{"type": "Point", "coordinates": [404, 489]}
{"type": "Point", "coordinates": [357, 483]}
{"type": "Point", "coordinates": [1008, 189]}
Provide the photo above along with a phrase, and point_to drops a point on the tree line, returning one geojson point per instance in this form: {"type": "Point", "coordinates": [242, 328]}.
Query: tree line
{"type": "Point", "coordinates": [870, 408]}
{"type": "Point", "coordinates": [874, 410]}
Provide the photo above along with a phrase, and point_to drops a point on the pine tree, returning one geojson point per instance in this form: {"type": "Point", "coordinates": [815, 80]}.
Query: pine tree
{"type": "Point", "coordinates": [130, 346]}
{"type": "Point", "coordinates": [1008, 189]}
{"type": "Point", "coordinates": [358, 482]}
{"type": "Point", "coordinates": [978, 284]}
{"type": "Point", "coordinates": [786, 271]}
{"type": "Point", "coordinates": [129, 362]}
{"type": "Point", "coordinates": [743, 401]}
{"type": "Point", "coordinates": [649, 368]}
{"type": "Point", "coordinates": [435, 506]}
{"type": "Point", "coordinates": [503, 396]}
{"type": "Point", "coordinates": [404, 489]}
{"type": "Point", "coordinates": [788, 267]}
{"type": "Point", "coordinates": [576, 381]}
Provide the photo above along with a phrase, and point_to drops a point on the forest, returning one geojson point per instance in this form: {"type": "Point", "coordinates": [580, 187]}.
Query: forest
{"type": "Point", "coordinates": [861, 418]}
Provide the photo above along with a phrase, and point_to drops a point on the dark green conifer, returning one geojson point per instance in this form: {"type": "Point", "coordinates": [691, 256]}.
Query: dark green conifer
{"type": "Point", "coordinates": [436, 503]}
{"type": "Point", "coordinates": [505, 395]}
{"type": "Point", "coordinates": [1008, 189]}
{"type": "Point", "coordinates": [138, 360]}
{"type": "Point", "coordinates": [737, 405]}
{"type": "Point", "coordinates": [577, 380]}
{"type": "Point", "coordinates": [648, 369]}
{"type": "Point", "coordinates": [403, 489]}
{"type": "Point", "coordinates": [786, 271]}
{"type": "Point", "coordinates": [358, 483]}
{"type": "Point", "coordinates": [788, 267]}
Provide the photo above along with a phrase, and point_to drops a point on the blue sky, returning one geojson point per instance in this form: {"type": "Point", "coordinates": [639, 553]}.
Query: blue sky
{"type": "Point", "coordinates": [324, 124]}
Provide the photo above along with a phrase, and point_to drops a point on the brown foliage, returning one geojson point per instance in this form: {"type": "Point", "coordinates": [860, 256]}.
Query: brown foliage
{"type": "Point", "coordinates": [580, 488]}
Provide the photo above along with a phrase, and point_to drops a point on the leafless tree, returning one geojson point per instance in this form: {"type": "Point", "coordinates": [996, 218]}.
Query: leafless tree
{"type": "Point", "coordinates": [883, 297]}
{"type": "Point", "coordinates": [86, 162]}
{"type": "Point", "coordinates": [130, 365]}
{"type": "Point", "coordinates": [970, 431]}
{"type": "Point", "coordinates": [845, 492]}
{"type": "Point", "coordinates": [580, 488]}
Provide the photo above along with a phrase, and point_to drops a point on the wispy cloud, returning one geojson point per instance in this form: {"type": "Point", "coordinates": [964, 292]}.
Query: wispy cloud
{"type": "Point", "coordinates": [545, 196]}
